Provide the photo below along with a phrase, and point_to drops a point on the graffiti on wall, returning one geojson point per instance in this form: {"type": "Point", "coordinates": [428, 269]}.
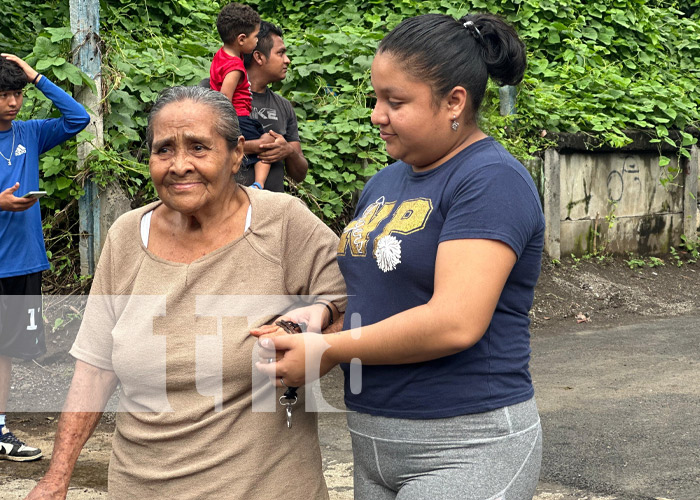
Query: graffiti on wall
{"type": "Point", "coordinates": [629, 173]}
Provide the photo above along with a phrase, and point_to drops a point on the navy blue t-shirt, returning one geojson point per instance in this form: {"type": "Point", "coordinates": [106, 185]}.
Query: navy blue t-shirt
{"type": "Point", "coordinates": [387, 256]}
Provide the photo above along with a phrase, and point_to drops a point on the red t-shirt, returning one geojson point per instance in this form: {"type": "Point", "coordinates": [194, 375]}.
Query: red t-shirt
{"type": "Point", "coordinates": [222, 65]}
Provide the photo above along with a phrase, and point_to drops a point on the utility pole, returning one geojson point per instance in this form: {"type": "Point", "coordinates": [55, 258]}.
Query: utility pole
{"type": "Point", "coordinates": [85, 25]}
{"type": "Point", "coordinates": [507, 95]}
{"type": "Point", "coordinates": [99, 207]}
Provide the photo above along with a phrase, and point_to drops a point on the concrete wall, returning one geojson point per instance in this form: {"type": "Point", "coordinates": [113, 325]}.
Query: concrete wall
{"type": "Point", "coordinates": [615, 202]}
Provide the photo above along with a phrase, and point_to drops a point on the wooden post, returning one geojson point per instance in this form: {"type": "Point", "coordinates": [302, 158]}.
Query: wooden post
{"type": "Point", "coordinates": [690, 191]}
{"type": "Point", "coordinates": [85, 25]}
{"type": "Point", "coordinates": [507, 95]}
{"type": "Point", "coordinates": [552, 204]}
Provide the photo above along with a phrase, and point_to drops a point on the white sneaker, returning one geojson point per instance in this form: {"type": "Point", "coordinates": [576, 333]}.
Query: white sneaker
{"type": "Point", "coordinates": [13, 449]}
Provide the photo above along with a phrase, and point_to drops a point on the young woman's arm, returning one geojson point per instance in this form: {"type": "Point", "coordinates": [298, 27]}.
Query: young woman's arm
{"type": "Point", "coordinates": [469, 277]}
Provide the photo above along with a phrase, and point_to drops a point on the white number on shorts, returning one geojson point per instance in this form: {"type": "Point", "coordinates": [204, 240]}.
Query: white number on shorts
{"type": "Point", "coordinates": [32, 323]}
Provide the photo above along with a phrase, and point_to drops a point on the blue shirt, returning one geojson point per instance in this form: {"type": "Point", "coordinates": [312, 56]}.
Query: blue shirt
{"type": "Point", "coordinates": [22, 249]}
{"type": "Point", "coordinates": [387, 257]}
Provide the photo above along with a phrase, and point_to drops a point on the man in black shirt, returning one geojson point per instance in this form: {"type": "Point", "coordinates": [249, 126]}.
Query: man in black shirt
{"type": "Point", "coordinates": [280, 146]}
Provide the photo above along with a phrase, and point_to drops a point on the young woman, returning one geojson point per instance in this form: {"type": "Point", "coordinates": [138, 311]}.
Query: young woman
{"type": "Point", "coordinates": [440, 263]}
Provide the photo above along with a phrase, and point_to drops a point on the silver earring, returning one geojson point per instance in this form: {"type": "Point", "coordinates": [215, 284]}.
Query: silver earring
{"type": "Point", "coordinates": [455, 123]}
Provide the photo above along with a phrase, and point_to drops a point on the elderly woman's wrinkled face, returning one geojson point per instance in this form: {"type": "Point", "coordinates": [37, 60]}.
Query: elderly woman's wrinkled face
{"type": "Point", "coordinates": [191, 165]}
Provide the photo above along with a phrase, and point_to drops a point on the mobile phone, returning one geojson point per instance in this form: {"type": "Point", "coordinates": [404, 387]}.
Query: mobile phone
{"type": "Point", "coordinates": [34, 194]}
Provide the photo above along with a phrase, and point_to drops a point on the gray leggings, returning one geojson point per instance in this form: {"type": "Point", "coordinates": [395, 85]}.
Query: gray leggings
{"type": "Point", "coordinates": [494, 455]}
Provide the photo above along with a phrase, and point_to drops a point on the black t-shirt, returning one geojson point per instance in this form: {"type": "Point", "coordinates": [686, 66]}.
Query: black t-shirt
{"type": "Point", "coordinates": [274, 112]}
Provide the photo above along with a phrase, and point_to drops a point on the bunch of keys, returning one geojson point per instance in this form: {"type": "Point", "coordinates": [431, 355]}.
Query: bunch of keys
{"type": "Point", "coordinates": [289, 398]}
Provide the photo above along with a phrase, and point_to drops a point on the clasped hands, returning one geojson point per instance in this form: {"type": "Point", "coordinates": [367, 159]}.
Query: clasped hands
{"type": "Point", "coordinates": [297, 358]}
{"type": "Point", "coordinates": [274, 147]}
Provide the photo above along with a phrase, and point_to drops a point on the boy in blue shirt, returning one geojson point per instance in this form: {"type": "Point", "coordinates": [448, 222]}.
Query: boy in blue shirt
{"type": "Point", "coordinates": [22, 250]}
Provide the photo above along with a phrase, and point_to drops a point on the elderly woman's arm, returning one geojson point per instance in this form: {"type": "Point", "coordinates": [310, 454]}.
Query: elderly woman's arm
{"type": "Point", "coordinates": [87, 397]}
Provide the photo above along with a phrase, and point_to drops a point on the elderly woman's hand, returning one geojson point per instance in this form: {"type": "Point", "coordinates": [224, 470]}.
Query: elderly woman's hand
{"type": "Point", "coordinates": [268, 331]}
{"type": "Point", "coordinates": [46, 489]}
{"type": "Point", "coordinates": [316, 317]}
{"type": "Point", "coordinates": [303, 358]}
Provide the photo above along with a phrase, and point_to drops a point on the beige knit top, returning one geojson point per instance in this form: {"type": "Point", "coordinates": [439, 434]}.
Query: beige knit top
{"type": "Point", "coordinates": [196, 419]}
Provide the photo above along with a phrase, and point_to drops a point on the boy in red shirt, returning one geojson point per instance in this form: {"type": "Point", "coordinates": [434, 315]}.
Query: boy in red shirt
{"type": "Point", "coordinates": [238, 26]}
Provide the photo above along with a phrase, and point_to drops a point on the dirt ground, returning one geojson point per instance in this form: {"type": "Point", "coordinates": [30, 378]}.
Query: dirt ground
{"type": "Point", "coordinates": [608, 291]}
{"type": "Point", "coordinates": [571, 294]}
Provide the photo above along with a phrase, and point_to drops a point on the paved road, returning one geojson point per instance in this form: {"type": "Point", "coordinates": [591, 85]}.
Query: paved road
{"type": "Point", "coordinates": [620, 408]}
{"type": "Point", "coordinates": [620, 412]}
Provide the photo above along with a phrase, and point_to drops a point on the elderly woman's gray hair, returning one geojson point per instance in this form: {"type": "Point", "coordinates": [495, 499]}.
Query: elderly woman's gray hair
{"type": "Point", "coordinates": [226, 124]}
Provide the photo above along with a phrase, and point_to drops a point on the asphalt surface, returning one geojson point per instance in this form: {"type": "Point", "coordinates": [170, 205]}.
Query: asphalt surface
{"type": "Point", "coordinates": [620, 408]}
{"type": "Point", "coordinates": [620, 411]}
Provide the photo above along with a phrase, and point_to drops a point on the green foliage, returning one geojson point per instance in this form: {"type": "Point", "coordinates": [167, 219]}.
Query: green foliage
{"type": "Point", "coordinates": [22, 20]}
{"type": "Point", "coordinates": [149, 47]}
{"type": "Point", "coordinates": [635, 262]}
{"type": "Point", "coordinates": [689, 251]}
{"type": "Point", "coordinates": [577, 260]}
{"type": "Point", "coordinates": [595, 67]}
{"type": "Point", "coordinates": [690, 248]}
{"type": "Point", "coordinates": [676, 257]}
{"type": "Point", "coordinates": [640, 262]}
{"type": "Point", "coordinates": [331, 91]}
{"type": "Point", "coordinates": [655, 262]}
{"type": "Point", "coordinates": [598, 67]}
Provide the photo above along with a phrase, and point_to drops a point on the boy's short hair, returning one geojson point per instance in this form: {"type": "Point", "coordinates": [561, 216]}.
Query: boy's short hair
{"type": "Point", "coordinates": [12, 77]}
{"type": "Point", "coordinates": [235, 19]}
{"type": "Point", "coordinates": [265, 42]}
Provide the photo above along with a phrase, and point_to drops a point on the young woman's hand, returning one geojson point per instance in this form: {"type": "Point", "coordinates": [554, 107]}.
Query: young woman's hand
{"type": "Point", "coordinates": [265, 331]}
{"type": "Point", "coordinates": [303, 359]}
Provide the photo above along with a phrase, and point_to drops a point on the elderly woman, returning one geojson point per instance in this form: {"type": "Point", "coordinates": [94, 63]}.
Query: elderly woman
{"type": "Point", "coordinates": [166, 319]}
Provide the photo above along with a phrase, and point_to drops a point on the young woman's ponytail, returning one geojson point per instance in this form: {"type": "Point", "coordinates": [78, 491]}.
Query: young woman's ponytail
{"type": "Point", "coordinates": [503, 52]}
{"type": "Point", "coordinates": [445, 53]}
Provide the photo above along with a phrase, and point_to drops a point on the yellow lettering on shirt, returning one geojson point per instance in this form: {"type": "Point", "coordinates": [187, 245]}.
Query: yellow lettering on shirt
{"type": "Point", "coordinates": [410, 217]}
{"type": "Point", "coordinates": [356, 234]}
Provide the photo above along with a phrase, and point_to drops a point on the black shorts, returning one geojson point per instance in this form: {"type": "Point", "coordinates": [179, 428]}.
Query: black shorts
{"type": "Point", "coordinates": [21, 317]}
{"type": "Point", "coordinates": [251, 130]}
